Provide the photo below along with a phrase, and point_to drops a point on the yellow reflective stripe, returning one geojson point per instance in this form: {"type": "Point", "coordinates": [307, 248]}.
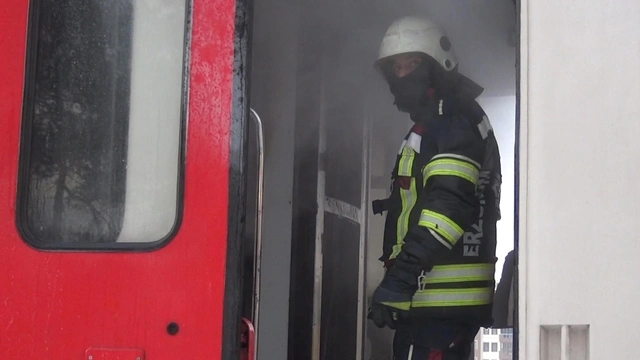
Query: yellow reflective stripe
{"type": "Point", "coordinates": [409, 198]}
{"type": "Point", "coordinates": [456, 156]}
{"type": "Point", "coordinates": [451, 167]}
{"type": "Point", "coordinates": [406, 305]}
{"type": "Point", "coordinates": [440, 239]}
{"type": "Point", "coordinates": [405, 165]}
{"type": "Point", "coordinates": [442, 225]}
{"type": "Point", "coordinates": [453, 297]}
{"type": "Point", "coordinates": [458, 273]}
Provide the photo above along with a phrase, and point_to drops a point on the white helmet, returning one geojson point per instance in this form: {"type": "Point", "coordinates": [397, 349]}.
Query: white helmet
{"type": "Point", "coordinates": [413, 34]}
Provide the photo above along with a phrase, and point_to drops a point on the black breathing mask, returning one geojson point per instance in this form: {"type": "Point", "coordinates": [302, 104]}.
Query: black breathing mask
{"type": "Point", "coordinates": [411, 91]}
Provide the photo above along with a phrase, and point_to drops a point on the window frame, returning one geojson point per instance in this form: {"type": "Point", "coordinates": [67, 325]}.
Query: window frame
{"type": "Point", "coordinates": [25, 156]}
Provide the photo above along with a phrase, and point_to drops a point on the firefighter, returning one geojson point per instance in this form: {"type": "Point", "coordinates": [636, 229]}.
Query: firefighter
{"type": "Point", "coordinates": [440, 227]}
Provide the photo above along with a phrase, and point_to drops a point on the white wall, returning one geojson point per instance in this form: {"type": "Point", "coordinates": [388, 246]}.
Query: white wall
{"type": "Point", "coordinates": [580, 199]}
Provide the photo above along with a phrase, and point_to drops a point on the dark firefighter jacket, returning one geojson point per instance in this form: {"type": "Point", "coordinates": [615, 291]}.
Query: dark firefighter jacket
{"type": "Point", "coordinates": [443, 209]}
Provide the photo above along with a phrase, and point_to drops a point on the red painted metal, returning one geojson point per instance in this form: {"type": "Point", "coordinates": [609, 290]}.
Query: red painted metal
{"type": "Point", "coordinates": [56, 305]}
{"type": "Point", "coordinates": [114, 354]}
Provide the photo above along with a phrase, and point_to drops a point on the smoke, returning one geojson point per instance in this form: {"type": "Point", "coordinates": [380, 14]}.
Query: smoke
{"type": "Point", "coordinates": [312, 63]}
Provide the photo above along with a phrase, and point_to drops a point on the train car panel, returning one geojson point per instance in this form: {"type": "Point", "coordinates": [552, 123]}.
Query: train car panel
{"type": "Point", "coordinates": [153, 282]}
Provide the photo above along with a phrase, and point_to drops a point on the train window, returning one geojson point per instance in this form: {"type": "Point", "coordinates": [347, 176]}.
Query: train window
{"type": "Point", "coordinates": [101, 156]}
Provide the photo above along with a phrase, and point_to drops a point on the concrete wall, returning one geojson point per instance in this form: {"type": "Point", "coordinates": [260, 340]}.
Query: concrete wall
{"type": "Point", "coordinates": [579, 194]}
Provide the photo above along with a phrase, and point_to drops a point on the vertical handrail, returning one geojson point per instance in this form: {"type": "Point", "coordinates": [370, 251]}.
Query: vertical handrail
{"type": "Point", "coordinates": [257, 256]}
{"type": "Point", "coordinates": [318, 261]}
{"type": "Point", "coordinates": [361, 332]}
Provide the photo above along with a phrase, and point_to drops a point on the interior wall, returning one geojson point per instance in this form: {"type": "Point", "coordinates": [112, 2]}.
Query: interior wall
{"type": "Point", "coordinates": [578, 211]}
{"type": "Point", "coordinates": [273, 95]}
{"type": "Point", "coordinates": [303, 293]}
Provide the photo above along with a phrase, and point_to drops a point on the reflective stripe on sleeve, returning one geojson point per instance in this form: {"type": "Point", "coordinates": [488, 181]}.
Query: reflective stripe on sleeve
{"type": "Point", "coordinates": [458, 273]}
{"type": "Point", "coordinates": [456, 156]}
{"type": "Point", "coordinates": [406, 306]}
{"type": "Point", "coordinates": [451, 167]}
{"type": "Point", "coordinates": [453, 297]}
{"type": "Point", "coordinates": [441, 239]}
{"type": "Point", "coordinates": [442, 225]}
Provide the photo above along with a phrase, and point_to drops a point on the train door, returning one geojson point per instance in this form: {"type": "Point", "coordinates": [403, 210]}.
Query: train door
{"type": "Point", "coordinates": [121, 178]}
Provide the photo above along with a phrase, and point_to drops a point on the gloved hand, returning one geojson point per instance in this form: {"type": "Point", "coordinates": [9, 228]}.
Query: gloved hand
{"type": "Point", "coordinates": [392, 299]}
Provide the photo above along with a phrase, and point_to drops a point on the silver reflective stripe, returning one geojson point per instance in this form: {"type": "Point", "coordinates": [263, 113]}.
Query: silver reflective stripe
{"type": "Point", "coordinates": [452, 297]}
{"type": "Point", "coordinates": [408, 198]}
{"type": "Point", "coordinates": [410, 357]}
{"type": "Point", "coordinates": [459, 273]}
{"type": "Point", "coordinates": [440, 239]}
{"type": "Point", "coordinates": [451, 167]}
{"type": "Point", "coordinates": [442, 225]}
{"type": "Point", "coordinates": [404, 142]}
{"type": "Point", "coordinates": [414, 142]}
{"type": "Point", "coordinates": [484, 127]}
{"type": "Point", "coordinates": [456, 156]}
{"type": "Point", "coordinates": [406, 162]}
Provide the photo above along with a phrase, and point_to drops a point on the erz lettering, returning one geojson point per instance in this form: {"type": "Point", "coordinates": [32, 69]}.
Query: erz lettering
{"type": "Point", "coordinates": [472, 239]}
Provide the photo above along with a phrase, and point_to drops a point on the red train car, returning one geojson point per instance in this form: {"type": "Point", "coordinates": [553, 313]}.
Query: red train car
{"type": "Point", "coordinates": [121, 179]}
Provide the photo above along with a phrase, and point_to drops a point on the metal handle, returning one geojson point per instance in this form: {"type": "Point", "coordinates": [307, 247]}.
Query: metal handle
{"type": "Point", "coordinates": [257, 256]}
{"type": "Point", "coordinates": [248, 340]}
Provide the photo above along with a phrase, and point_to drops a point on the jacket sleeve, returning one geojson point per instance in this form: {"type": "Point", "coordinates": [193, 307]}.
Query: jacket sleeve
{"type": "Point", "coordinates": [449, 204]}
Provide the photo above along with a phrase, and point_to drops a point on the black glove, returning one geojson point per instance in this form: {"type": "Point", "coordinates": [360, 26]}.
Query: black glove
{"type": "Point", "coordinates": [392, 299]}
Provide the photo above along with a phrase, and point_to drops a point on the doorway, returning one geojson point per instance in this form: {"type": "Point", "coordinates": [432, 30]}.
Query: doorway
{"type": "Point", "coordinates": [331, 135]}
